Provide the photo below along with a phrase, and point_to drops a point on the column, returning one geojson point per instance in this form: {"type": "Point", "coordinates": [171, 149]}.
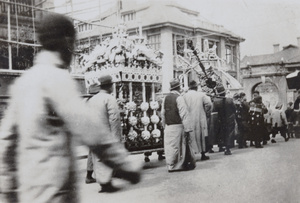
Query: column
{"type": "Point", "coordinates": [167, 66]}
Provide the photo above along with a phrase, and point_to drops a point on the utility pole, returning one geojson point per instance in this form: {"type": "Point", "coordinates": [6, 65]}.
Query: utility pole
{"type": "Point", "coordinates": [9, 37]}
{"type": "Point", "coordinates": [119, 2]}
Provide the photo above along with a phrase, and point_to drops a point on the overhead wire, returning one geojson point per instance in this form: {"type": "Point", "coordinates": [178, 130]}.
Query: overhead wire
{"type": "Point", "coordinates": [41, 9]}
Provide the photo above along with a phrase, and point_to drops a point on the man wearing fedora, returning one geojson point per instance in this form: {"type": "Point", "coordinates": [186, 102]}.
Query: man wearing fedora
{"type": "Point", "coordinates": [177, 144]}
{"type": "Point", "coordinates": [107, 109]}
{"type": "Point", "coordinates": [225, 108]}
{"type": "Point", "coordinates": [199, 107]}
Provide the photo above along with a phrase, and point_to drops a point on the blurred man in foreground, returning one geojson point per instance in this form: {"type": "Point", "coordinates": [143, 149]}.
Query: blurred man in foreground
{"type": "Point", "coordinates": [44, 116]}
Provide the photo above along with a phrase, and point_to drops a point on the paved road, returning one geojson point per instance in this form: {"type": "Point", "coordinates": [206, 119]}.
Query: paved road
{"type": "Point", "coordinates": [271, 174]}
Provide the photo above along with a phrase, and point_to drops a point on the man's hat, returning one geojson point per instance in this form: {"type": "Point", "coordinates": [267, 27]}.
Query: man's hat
{"type": "Point", "coordinates": [220, 90]}
{"type": "Point", "coordinates": [105, 80]}
{"type": "Point", "coordinates": [236, 96]}
{"type": "Point", "coordinates": [94, 89]}
{"type": "Point", "coordinates": [193, 84]}
{"type": "Point", "coordinates": [174, 83]}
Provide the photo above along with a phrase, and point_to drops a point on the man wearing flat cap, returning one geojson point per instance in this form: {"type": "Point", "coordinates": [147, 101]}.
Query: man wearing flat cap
{"type": "Point", "coordinates": [177, 144]}
{"type": "Point", "coordinates": [199, 107]}
{"type": "Point", "coordinates": [107, 109]}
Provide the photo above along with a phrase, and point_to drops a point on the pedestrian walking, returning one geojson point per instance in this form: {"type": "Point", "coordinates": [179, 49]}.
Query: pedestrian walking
{"type": "Point", "coordinates": [44, 118]}
{"type": "Point", "coordinates": [279, 123]}
{"type": "Point", "coordinates": [179, 152]}
{"type": "Point", "coordinates": [199, 107]}
{"type": "Point", "coordinates": [108, 111]}
{"type": "Point", "coordinates": [225, 108]}
{"type": "Point", "coordinates": [94, 89]}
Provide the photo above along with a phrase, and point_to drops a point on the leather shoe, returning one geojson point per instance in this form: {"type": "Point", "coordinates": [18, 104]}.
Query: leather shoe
{"type": "Point", "coordinates": [131, 176]}
{"type": "Point", "coordinates": [90, 180]}
{"type": "Point", "coordinates": [273, 141]}
{"type": "Point", "coordinates": [204, 157]}
{"type": "Point", "coordinates": [227, 152]}
{"type": "Point", "coordinates": [211, 151]}
{"type": "Point", "coordinates": [221, 149]}
{"type": "Point", "coordinates": [108, 187]}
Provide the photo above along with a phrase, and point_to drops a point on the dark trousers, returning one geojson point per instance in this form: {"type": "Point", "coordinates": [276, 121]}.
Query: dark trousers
{"type": "Point", "coordinates": [258, 132]}
{"type": "Point", "coordinates": [226, 135]}
{"type": "Point", "coordinates": [290, 130]}
{"type": "Point", "coordinates": [241, 138]}
{"type": "Point", "coordinates": [281, 130]}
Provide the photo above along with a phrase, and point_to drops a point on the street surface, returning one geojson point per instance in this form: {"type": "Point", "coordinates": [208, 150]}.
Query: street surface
{"type": "Point", "coordinates": [271, 174]}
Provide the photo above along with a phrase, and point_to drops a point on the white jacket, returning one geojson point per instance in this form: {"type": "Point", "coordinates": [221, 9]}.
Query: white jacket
{"type": "Point", "coordinates": [44, 116]}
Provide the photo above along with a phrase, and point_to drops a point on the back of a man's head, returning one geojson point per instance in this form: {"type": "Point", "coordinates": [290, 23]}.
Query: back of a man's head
{"type": "Point", "coordinates": [56, 32]}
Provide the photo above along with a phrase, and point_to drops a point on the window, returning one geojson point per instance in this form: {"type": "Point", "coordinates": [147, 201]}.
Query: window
{"type": "Point", "coordinates": [19, 54]}
{"type": "Point", "coordinates": [228, 54]}
{"type": "Point", "coordinates": [208, 45]}
{"type": "Point", "coordinates": [128, 17]}
{"type": "Point", "coordinates": [154, 41]}
{"type": "Point", "coordinates": [178, 48]}
{"type": "Point", "coordinates": [84, 27]}
{"type": "Point", "coordinates": [231, 58]}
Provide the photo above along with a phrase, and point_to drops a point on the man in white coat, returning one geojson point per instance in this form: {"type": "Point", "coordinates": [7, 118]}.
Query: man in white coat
{"type": "Point", "coordinates": [199, 107]}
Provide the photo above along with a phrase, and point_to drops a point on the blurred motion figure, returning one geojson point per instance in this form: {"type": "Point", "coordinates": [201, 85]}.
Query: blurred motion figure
{"type": "Point", "coordinates": [44, 115]}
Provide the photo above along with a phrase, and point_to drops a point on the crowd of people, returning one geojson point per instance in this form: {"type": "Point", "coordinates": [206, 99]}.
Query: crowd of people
{"type": "Point", "coordinates": [195, 122]}
{"type": "Point", "coordinates": [46, 115]}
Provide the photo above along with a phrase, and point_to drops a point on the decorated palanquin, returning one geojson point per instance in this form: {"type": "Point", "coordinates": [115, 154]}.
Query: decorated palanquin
{"type": "Point", "coordinates": [210, 69]}
{"type": "Point", "coordinates": [136, 72]}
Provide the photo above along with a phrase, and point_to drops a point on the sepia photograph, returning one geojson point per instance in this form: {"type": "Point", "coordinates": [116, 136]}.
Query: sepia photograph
{"type": "Point", "coordinates": [143, 101]}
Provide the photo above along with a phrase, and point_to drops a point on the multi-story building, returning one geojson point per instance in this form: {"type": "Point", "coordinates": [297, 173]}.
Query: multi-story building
{"type": "Point", "coordinates": [169, 28]}
{"type": "Point", "coordinates": [17, 38]}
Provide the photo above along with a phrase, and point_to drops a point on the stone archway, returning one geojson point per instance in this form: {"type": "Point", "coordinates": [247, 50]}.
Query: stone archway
{"type": "Point", "coordinates": [269, 92]}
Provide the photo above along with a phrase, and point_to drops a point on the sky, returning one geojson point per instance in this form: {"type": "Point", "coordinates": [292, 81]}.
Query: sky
{"type": "Point", "coordinates": [261, 23]}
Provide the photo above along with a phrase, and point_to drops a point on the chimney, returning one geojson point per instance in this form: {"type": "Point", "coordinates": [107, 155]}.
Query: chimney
{"type": "Point", "coordinates": [298, 40]}
{"type": "Point", "coordinates": [276, 48]}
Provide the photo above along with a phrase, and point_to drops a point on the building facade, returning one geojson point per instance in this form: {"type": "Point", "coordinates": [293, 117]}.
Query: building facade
{"type": "Point", "coordinates": [18, 39]}
{"type": "Point", "coordinates": [267, 74]}
{"type": "Point", "coordinates": [169, 28]}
